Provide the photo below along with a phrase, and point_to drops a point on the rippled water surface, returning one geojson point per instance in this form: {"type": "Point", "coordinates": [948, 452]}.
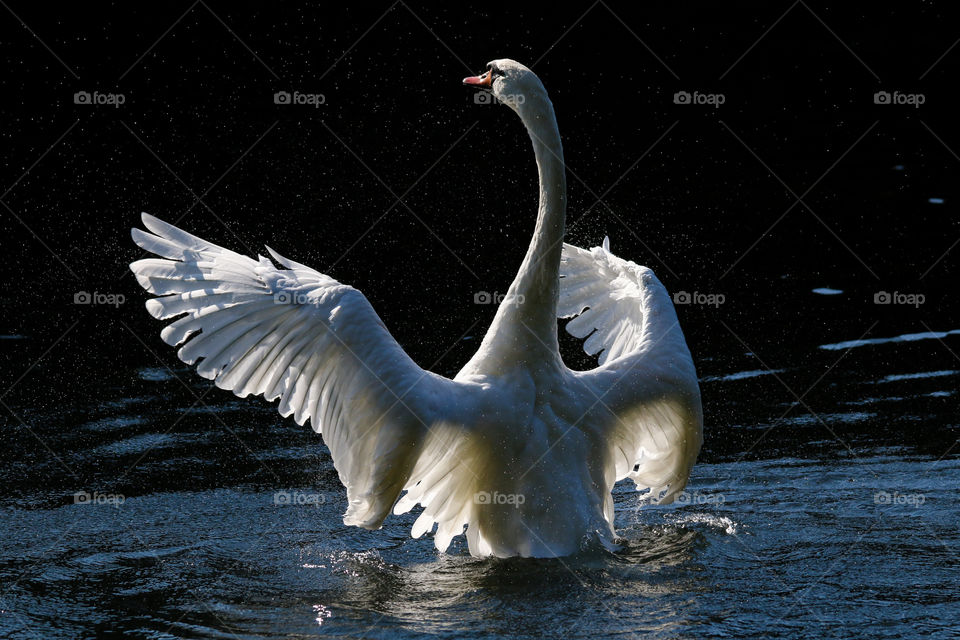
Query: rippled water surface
{"type": "Point", "coordinates": [824, 505]}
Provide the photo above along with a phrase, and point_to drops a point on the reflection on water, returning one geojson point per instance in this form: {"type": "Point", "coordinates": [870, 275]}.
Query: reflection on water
{"type": "Point", "coordinates": [741, 375]}
{"type": "Point", "coordinates": [906, 337]}
{"type": "Point", "coordinates": [918, 375]}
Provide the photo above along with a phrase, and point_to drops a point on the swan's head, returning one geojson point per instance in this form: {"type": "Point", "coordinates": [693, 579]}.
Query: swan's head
{"type": "Point", "coordinates": [511, 83]}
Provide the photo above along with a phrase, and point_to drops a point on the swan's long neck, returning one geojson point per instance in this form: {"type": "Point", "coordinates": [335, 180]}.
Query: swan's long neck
{"type": "Point", "coordinates": [537, 280]}
{"type": "Point", "coordinates": [525, 327]}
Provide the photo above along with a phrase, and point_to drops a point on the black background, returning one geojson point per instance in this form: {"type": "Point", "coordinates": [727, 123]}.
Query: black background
{"type": "Point", "coordinates": [199, 141]}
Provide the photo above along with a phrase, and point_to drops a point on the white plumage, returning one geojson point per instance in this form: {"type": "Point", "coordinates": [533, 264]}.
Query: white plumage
{"type": "Point", "coordinates": [517, 448]}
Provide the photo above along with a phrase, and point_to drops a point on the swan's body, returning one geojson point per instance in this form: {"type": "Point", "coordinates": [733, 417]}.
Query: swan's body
{"type": "Point", "coordinates": [518, 448]}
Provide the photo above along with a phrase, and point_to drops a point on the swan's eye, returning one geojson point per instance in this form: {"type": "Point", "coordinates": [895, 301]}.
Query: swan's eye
{"type": "Point", "coordinates": [495, 72]}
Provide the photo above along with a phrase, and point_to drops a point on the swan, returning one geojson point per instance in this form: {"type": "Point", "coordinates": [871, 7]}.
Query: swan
{"type": "Point", "coordinates": [517, 451]}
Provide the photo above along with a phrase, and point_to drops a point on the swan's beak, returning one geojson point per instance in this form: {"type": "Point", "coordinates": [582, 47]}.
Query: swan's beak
{"type": "Point", "coordinates": [481, 82]}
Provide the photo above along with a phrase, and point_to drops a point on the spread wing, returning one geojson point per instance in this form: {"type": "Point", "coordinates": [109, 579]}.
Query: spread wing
{"type": "Point", "coordinates": [316, 344]}
{"type": "Point", "coordinates": [646, 376]}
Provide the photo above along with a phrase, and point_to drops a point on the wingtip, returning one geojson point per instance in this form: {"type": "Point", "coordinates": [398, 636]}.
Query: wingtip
{"type": "Point", "coordinates": [140, 237]}
{"type": "Point", "coordinates": [286, 262]}
{"type": "Point", "coordinates": [154, 308]}
{"type": "Point", "coordinates": [137, 233]}
{"type": "Point", "coordinates": [136, 265]}
{"type": "Point", "coordinates": [606, 243]}
{"type": "Point", "coordinates": [155, 225]}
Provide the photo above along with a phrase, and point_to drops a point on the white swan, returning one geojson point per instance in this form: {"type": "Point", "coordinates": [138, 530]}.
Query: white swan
{"type": "Point", "coordinates": [517, 448]}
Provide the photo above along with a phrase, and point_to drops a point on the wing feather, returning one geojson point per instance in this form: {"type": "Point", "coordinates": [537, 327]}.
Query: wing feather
{"type": "Point", "coordinates": [298, 335]}
{"type": "Point", "coordinates": [645, 378]}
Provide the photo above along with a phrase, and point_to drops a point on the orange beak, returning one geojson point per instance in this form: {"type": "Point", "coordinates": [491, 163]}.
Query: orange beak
{"type": "Point", "coordinates": [480, 81]}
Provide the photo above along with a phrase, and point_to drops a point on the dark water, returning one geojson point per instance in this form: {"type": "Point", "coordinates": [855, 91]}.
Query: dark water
{"type": "Point", "coordinates": [834, 516]}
